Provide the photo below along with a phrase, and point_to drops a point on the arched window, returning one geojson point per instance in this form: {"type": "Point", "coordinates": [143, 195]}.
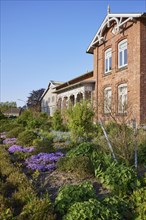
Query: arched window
{"type": "Point", "coordinates": [122, 53]}
{"type": "Point", "coordinates": [107, 99]}
{"type": "Point", "coordinates": [122, 98]}
{"type": "Point", "coordinates": [108, 60]}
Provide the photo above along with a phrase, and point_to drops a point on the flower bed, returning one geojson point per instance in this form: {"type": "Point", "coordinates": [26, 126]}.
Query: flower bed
{"type": "Point", "coordinates": [9, 141]}
{"type": "Point", "coordinates": [15, 148]}
{"type": "Point", "coordinates": [43, 161]}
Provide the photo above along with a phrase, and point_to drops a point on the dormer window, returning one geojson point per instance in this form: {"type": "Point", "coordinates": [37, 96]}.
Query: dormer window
{"type": "Point", "coordinates": [122, 54]}
{"type": "Point", "coordinates": [108, 60]}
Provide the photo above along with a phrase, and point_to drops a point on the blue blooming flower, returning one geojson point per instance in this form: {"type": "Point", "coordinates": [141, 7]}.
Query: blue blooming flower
{"type": "Point", "coordinates": [9, 141]}
{"type": "Point", "coordinates": [43, 161]}
{"type": "Point", "coordinates": [15, 148]}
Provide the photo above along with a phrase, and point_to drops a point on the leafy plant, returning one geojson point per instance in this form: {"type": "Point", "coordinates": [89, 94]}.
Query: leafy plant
{"type": "Point", "coordinates": [15, 132]}
{"type": "Point", "coordinates": [80, 120]}
{"type": "Point", "coordinates": [85, 149]}
{"type": "Point", "coordinates": [69, 164]}
{"type": "Point", "coordinates": [139, 200]}
{"type": "Point", "coordinates": [70, 194]}
{"type": "Point", "coordinates": [57, 121]}
{"type": "Point", "coordinates": [26, 138]}
{"type": "Point", "coordinates": [37, 209]}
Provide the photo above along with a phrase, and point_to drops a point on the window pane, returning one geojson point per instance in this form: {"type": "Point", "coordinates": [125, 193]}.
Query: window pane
{"type": "Point", "coordinates": [106, 65]}
{"type": "Point", "coordinates": [110, 63]}
{"type": "Point", "coordinates": [120, 58]}
{"type": "Point", "coordinates": [125, 56]}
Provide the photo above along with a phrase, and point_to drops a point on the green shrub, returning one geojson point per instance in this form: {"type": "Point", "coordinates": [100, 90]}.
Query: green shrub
{"type": "Point", "coordinates": [84, 149]}
{"type": "Point", "coordinates": [80, 120]}
{"type": "Point", "coordinates": [5, 211]}
{"type": "Point", "coordinates": [80, 166]}
{"type": "Point", "coordinates": [70, 194]}
{"type": "Point", "coordinates": [38, 209]}
{"type": "Point", "coordinates": [7, 124]}
{"type": "Point", "coordinates": [139, 200]}
{"type": "Point", "coordinates": [118, 178]}
{"type": "Point", "coordinates": [15, 132]}
{"type": "Point", "coordinates": [25, 117]}
{"type": "Point", "coordinates": [57, 121]}
{"type": "Point", "coordinates": [142, 153]}
{"type": "Point", "coordinates": [91, 209]}
{"type": "Point", "coordinates": [44, 143]}
{"type": "Point", "coordinates": [26, 138]}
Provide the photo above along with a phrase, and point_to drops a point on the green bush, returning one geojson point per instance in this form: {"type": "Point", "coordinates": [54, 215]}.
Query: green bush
{"type": "Point", "coordinates": [25, 117]}
{"type": "Point", "coordinates": [80, 121]}
{"type": "Point", "coordinates": [5, 211]}
{"type": "Point", "coordinates": [139, 200]}
{"type": "Point", "coordinates": [84, 149]}
{"type": "Point", "coordinates": [7, 124]}
{"type": "Point", "coordinates": [70, 194]}
{"type": "Point", "coordinates": [118, 178]}
{"type": "Point", "coordinates": [80, 166]}
{"type": "Point", "coordinates": [91, 209]}
{"type": "Point", "coordinates": [26, 138]}
{"type": "Point", "coordinates": [38, 209]}
{"type": "Point", "coordinates": [44, 143]}
{"type": "Point", "coordinates": [142, 153]}
{"type": "Point", "coordinates": [15, 132]}
{"type": "Point", "coordinates": [57, 121]}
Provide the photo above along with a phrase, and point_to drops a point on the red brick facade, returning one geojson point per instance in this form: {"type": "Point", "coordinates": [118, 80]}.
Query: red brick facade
{"type": "Point", "coordinates": [133, 74]}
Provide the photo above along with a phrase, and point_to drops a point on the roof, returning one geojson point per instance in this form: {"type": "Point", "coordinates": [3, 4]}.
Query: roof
{"type": "Point", "coordinates": [54, 83]}
{"type": "Point", "coordinates": [12, 111]}
{"type": "Point", "coordinates": [75, 80]}
{"type": "Point", "coordinates": [76, 84]}
{"type": "Point", "coordinates": [119, 19]}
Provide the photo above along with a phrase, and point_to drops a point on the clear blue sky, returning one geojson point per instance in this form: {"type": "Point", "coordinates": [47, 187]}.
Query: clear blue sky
{"type": "Point", "coordinates": [47, 40]}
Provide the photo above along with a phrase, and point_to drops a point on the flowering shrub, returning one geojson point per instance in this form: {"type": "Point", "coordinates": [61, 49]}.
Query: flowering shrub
{"type": "Point", "coordinates": [43, 161]}
{"type": "Point", "coordinates": [9, 141]}
{"type": "Point", "coordinates": [15, 148]}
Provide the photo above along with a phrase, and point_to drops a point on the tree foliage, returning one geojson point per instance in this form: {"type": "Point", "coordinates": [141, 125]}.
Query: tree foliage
{"type": "Point", "coordinates": [33, 99]}
{"type": "Point", "coordinates": [80, 120]}
{"type": "Point", "coordinates": [4, 106]}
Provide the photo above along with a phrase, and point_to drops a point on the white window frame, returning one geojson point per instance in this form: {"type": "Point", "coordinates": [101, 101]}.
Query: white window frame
{"type": "Point", "coordinates": [108, 60]}
{"type": "Point", "coordinates": [122, 48]}
{"type": "Point", "coordinates": [107, 99]}
{"type": "Point", "coordinates": [122, 98]}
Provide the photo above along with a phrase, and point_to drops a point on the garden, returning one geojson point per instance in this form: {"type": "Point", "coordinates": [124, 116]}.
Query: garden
{"type": "Point", "coordinates": [61, 168]}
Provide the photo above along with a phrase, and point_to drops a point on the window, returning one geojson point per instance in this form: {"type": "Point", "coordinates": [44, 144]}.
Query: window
{"type": "Point", "coordinates": [53, 98]}
{"type": "Point", "coordinates": [122, 98]}
{"type": "Point", "coordinates": [122, 53]}
{"type": "Point", "coordinates": [107, 99]}
{"type": "Point", "coordinates": [108, 60]}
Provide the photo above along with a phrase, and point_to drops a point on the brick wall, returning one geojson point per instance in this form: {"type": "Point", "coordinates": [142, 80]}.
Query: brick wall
{"type": "Point", "coordinates": [134, 74]}
{"type": "Point", "coordinates": [143, 71]}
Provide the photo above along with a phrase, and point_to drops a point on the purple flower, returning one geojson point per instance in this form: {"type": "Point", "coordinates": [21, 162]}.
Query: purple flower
{"type": "Point", "coordinates": [9, 141]}
{"type": "Point", "coordinates": [28, 149]}
{"type": "Point", "coordinates": [14, 148]}
{"type": "Point", "coordinates": [43, 161]}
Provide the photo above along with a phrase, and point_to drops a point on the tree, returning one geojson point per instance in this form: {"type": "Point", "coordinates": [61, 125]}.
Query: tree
{"type": "Point", "coordinates": [80, 120]}
{"type": "Point", "coordinates": [4, 106]}
{"type": "Point", "coordinates": [33, 101]}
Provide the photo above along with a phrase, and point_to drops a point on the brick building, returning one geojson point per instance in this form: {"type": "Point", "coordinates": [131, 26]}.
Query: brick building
{"type": "Point", "coordinates": [117, 84]}
{"type": "Point", "coordinates": [119, 51]}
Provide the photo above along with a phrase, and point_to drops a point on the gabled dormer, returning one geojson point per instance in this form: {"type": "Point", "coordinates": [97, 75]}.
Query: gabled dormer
{"type": "Point", "coordinates": [117, 22]}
